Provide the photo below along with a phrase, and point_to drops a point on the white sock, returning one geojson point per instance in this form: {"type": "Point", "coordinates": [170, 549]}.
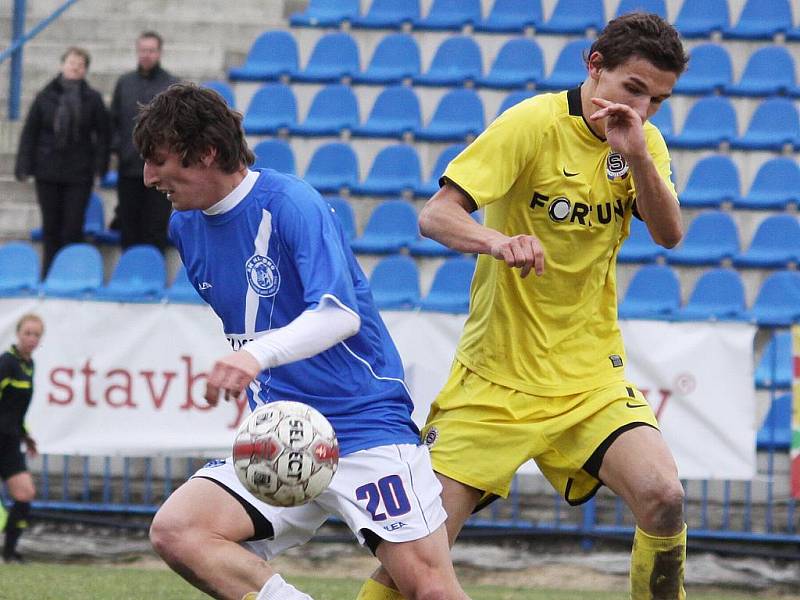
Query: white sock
{"type": "Point", "coordinates": [277, 589]}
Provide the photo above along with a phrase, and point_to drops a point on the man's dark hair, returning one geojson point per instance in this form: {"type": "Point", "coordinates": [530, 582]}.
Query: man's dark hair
{"type": "Point", "coordinates": [152, 35]}
{"type": "Point", "coordinates": [77, 51]}
{"type": "Point", "coordinates": [189, 120]}
{"type": "Point", "coordinates": [644, 35]}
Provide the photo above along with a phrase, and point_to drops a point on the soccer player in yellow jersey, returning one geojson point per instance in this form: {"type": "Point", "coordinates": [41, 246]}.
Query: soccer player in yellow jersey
{"type": "Point", "coordinates": [539, 371]}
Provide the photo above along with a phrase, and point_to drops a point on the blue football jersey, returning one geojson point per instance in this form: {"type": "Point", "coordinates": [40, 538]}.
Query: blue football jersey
{"type": "Point", "coordinates": [277, 253]}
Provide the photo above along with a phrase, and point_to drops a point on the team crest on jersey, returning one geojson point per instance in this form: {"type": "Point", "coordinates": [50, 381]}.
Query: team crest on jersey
{"type": "Point", "coordinates": [262, 275]}
{"type": "Point", "coordinates": [430, 437]}
{"type": "Point", "coordinates": [616, 166]}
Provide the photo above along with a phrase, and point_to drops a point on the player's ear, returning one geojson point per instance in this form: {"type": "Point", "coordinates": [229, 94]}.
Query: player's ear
{"type": "Point", "coordinates": [595, 64]}
{"type": "Point", "coordinates": [209, 156]}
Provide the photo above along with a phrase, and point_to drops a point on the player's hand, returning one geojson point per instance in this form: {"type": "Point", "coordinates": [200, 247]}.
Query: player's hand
{"type": "Point", "coordinates": [30, 446]}
{"type": "Point", "coordinates": [523, 252]}
{"type": "Point", "coordinates": [624, 128]}
{"type": "Point", "coordinates": [230, 376]}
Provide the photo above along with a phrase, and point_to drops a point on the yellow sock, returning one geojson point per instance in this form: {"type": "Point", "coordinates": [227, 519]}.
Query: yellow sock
{"type": "Point", "coordinates": [657, 565]}
{"type": "Point", "coordinates": [372, 590]}
{"type": "Point", "coordinates": [3, 517]}
{"type": "Point", "coordinates": [250, 596]}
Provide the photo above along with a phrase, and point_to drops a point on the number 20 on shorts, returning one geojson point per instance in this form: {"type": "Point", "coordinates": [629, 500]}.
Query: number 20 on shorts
{"type": "Point", "coordinates": [388, 490]}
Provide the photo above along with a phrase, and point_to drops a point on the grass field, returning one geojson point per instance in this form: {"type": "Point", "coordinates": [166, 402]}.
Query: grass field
{"type": "Point", "coordinates": [44, 581]}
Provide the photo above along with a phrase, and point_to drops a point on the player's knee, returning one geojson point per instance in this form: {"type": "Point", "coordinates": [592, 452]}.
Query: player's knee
{"type": "Point", "coordinates": [663, 503]}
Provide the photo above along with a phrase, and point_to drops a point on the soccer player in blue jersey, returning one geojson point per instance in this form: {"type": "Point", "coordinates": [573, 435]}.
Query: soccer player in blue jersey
{"type": "Point", "coordinates": [269, 255]}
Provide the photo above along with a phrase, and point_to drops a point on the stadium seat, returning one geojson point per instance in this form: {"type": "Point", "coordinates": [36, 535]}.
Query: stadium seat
{"type": "Point", "coordinates": [333, 167]}
{"type": "Point", "coordinates": [717, 296]}
{"type": "Point", "coordinates": [325, 13]}
{"type": "Point", "coordinates": [713, 180]}
{"type": "Point", "coordinates": [395, 170]}
{"type": "Point", "coordinates": [701, 18]}
{"type": "Point", "coordinates": [139, 276]}
{"type": "Point", "coordinates": [273, 108]}
{"type": "Point", "coordinates": [793, 34]}
{"type": "Point", "coordinates": [519, 63]}
{"type": "Point", "coordinates": [182, 291]}
{"type": "Point", "coordinates": [777, 303]}
{"type": "Point", "coordinates": [761, 20]}
{"type": "Point", "coordinates": [458, 115]}
{"type": "Point", "coordinates": [395, 283]}
{"type": "Point", "coordinates": [775, 432]}
{"type": "Point", "coordinates": [775, 245]}
{"type": "Point", "coordinates": [654, 293]}
{"type": "Point", "coordinates": [334, 57]}
{"type": "Point", "coordinates": [94, 228]}
{"type": "Point", "coordinates": [775, 187]}
{"type": "Point", "coordinates": [639, 247]}
{"type": "Point", "coordinates": [431, 186]}
{"type": "Point", "coordinates": [396, 112]}
{"type": "Point", "coordinates": [19, 269]}
{"type": "Point", "coordinates": [513, 99]}
{"type": "Point", "coordinates": [711, 238]}
{"type": "Point", "coordinates": [710, 70]}
{"type": "Point", "coordinates": [774, 124]}
{"type": "Point", "coordinates": [76, 272]}
{"type": "Point", "coordinates": [344, 212]}
{"type": "Point", "coordinates": [658, 7]}
{"type": "Point", "coordinates": [450, 14]}
{"type": "Point", "coordinates": [224, 89]}
{"type": "Point", "coordinates": [450, 288]}
{"type": "Point", "coordinates": [273, 55]}
{"type": "Point", "coordinates": [710, 122]}
{"type": "Point", "coordinates": [395, 59]}
{"type": "Point", "coordinates": [769, 71]}
{"type": "Point", "coordinates": [512, 16]}
{"type": "Point", "coordinates": [774, 369]}
{"type": "Point", "coordinates": [569, 70]}
{"type": "Point", "coordinates": [274, 154]}
{"type": "Point", "coordinates": [457, 60]}
{"type": "Point", "coordinates": [391, 227]}
{"type": "Point", "coordinates": [388, 14]}
{"type": "Point", "coordinates": [663, 120]}
{"type": "Point", "coordinates": [574, 17]}
{"type": "Point", "coordinates": [333, 110]}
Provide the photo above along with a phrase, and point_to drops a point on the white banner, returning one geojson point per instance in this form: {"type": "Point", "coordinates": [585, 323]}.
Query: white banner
{"type": "Point", "coordinates": [128, 379]}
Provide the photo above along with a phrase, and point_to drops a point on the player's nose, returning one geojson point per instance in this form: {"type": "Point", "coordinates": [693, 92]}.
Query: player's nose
{"type": "Point", "coordinates": [150, 175]}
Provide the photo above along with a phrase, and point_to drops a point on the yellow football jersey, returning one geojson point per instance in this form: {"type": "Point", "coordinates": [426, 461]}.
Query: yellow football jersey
{"type": "Point", "coordinates": [538, 169]}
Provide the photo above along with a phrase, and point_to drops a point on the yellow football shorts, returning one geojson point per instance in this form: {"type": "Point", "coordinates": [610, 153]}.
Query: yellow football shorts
{"type": "Point", "coordinates": [480, 433]}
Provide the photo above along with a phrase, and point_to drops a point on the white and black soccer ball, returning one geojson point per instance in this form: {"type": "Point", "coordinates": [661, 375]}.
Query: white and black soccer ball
{"type": "Point", "coordinates": [285, 453]}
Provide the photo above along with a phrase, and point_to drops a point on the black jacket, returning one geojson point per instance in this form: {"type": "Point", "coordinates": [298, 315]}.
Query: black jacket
{"type": "Point", "coordinates": [85, 157]}
{"type": "Point", "coordinates": [133, 89]}
{"type": "Point", "coordinates": [16, 391]}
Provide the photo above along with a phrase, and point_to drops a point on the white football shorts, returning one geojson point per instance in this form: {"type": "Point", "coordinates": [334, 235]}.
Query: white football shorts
{"type": "Point", "coordinates": [390, 491]}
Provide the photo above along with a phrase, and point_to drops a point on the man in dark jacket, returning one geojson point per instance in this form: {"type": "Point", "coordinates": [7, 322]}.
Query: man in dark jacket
{"type": "Point", "coordinates": [142, 213]}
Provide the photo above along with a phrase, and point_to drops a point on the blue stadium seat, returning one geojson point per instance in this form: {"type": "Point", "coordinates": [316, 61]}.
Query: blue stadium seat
{"type": "Point", "coordinates": [273, 108]}
{"type": "Point", "coordinates": [774, 124]}
{"type": "Point", "coordinates": [139, 276]}
{"type": "Point", "coordinates": [775, 245]}
{"type": "Point", "coordinates": [519, 63]}
{"type": "Point", "coordinates": [701, 18]}
{"type": "Point", "coordinates": [333, 110]}
{"type": "Point", "coordinates": [450, 14]}
{"type": "Point", "coordinates": [512, 16]}
{"type": "Point", "coordinates": [775, 187]}
{"type": "Point", "coordinates": [713, 180]}
{"type": "Point", "coordinates": [396, 112]}
{"type": "Point", "coordinates": [450, 288]}
{"type": "Point", "coordinates": [274, 154]}
{"type": "Point", "coordinates": [396, 169]}
{"type": "Point", "coordinates": [570, 69]}
{"type": "Point", "coordinates": [778, 301]}
{"type": "Point", "coordinates": [388, 14]}
{"type": "Point", "coordinates": [76, 272]}
{"type": "Point", "coordinates": [224, 89]}
{"type": "Point", "coordinates": [769, 71]}
{"type": "Point", "coordinates": [94, 224]}
{"type": "Point", "coordinates": [395, 58]}
{"type": "Point", "coordinates": [717, 296]}
{"type": "Point", "coordinates": [575, 17]}
{"type": "Point", "coordinates": [395, 283]}
{"type": "Point", "coordinates": [793, 34]}
{"type": "Point", "coordinates": [334, 56]}
{"type": "Point", "coordinates": [431, 186]}
{"type": "Point", "coordinates": [710, 70]}
{"type": "Point", "coordinates": [663, 120]}
{"type": "Point", "coordinates": [325, 13]}
{"type": "Point", "coordinates": [457, 60]}
{"type": "Point", "coordinates": [19, 269]}
{"type": "Point", "coordinates": [513, 99]}
{"type": "Point", "coordinates": [344, 212]}
{"type": "Point", "coordinates": [392, 226]}
{"type": "Point", "coordinates": [109, 180]}
{"type": "Point", "coordinates": [273, 55]}
{"type": "Point", "coordinates": [774, 369]}
{"type": "Point", "coordinates": [181, 291]}
{"type": "Point", "coordinates": [424, 246]}
{"type": "Point", "coordinates": [775, 432]}
{"type": "Point", "coordinates": [658, 7]}
{"type": "Point", "coordinates": [654, 293]}
{"type": "Point", "coordinates": [710, 122]}
{"type": "Point", "coordinates": [639, 247]}
{"type": "Point", "coordinates": [458, 115]}
{"type": "Point", "coordinates": [711, 238]}
{"type": "Point", "coordinates": [333, 167]}
{"type": "Point", "coordinates": [761, 20]}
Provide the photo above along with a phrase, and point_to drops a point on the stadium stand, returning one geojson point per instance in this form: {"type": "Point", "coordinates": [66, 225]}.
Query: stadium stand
{"type": "Point", "coordinates": [392, 226]}
{"type": "Point", "coordinates": [395, 283]}
{"type": "Point", "coordinates": [395, 59]}
{"type": "Point", "coordinates": [663, 120]}
{"type": "Point", "coordinates": [710, 70]}
{"type": "Point", "coordinates": [333, 110]}
{"type": "Point", "coordinates": [457, 61]}
{"type": "Point", "coordinates": [639, 247]}
{"type": "Point", "coordinates": [344, 212]}
{"type": "Point", "coordinates": [711, 122]}
{"type": "Point", "coordinates": [450, 15]}
{"type": "Point", "coordinates": [775, 124]}
{"type": "Point", "coordinates": [224, 89]}
{"type": "Point", "coordinates": [396, 112]}
{"type": "Point", "coordinates": [769, 71]}
{"type": "Point", "coordinates": [717, 296]}
{"type": "Point", "coordinates": [512, 16]}
{"type": "Point", "coordinates": [458, 116]}
{"type": "Point", "coordinates": [653, 293]}
{"type": "Point", "coordinates": [778, 301]}
{"type": "Point", "coordinates": [519, 63]}
{"type": "Point", "coordinates": [513, 99]}
{"type": "Point", "coordinates": [569, 69]}
{"type": "Point", "coordinates": [431, 186]}
{"type": "Point", "coordinates": [333, 167]}
{"type": "Point", "coordinates": [658, 7]}
{"type": "Point", "coordinates": [776, 358]}
{"type": "Point", "coordinates": [711, 238]}
{"type": "Point", "coordinates": [19, 269]}
{"type": "Point", "coordinates": [775, 187]}
{"type": "Point", "coordinates": [702, 18]}
{"type": "Point", "coordinates": [181, 291]}
{"type": "Point", "coordinates": [272, 56]}
{"type": "Point", "coordinates": [274, 154]}
{"type": "Point", "coordinates": [325, 13]}
{"type": "Point", "coordinates": [775, 245]}
{"type": "Point", "coordinates": [450, 289]}
{"type": "Point", "coordinates": [94, 224]}
{"type": "Point", "coordinates": [334, 57]}
{"type": "Point", "coordinates": [575, 17]}
{"type": "Point", "coordinates": [272, 109]}
{"type": "Point", "coordinates": [395, 170]}
{"type": "Point", "coordinates": [388, 14]}
{"type": "Point", "coordinates": [139, 276]}
{"type": "Point", "coordinates": [775, 432]}
{"type": "Point", "coordinates": [76, 272]}
{"type": "Point", "coordinates": [713, 181]}
{"type": "Point", "coordinates": [761, 20]}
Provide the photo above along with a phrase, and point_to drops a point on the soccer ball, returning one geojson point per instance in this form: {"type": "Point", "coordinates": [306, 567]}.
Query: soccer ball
{"type": "Point", "coordinates": [285, 453]}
